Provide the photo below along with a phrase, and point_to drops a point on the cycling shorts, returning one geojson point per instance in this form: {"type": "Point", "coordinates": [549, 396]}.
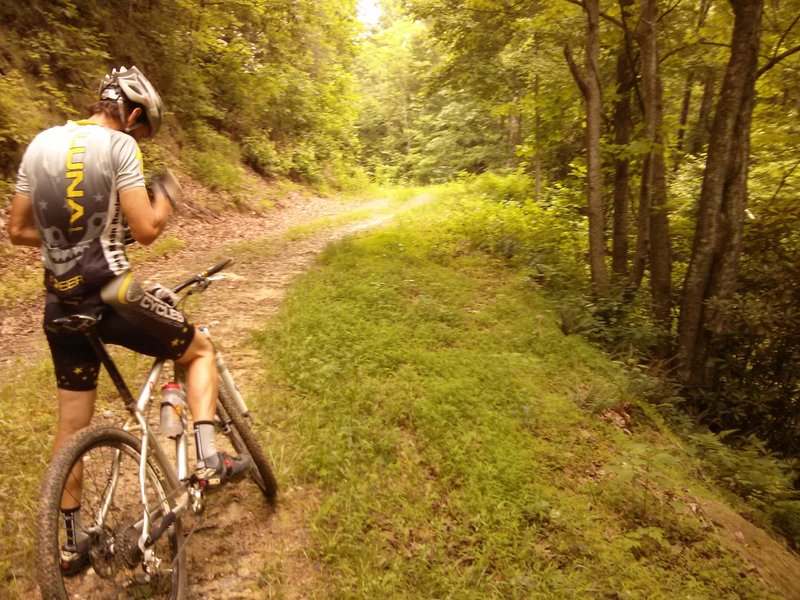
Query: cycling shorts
{"type": "Point", "coordinates": [144, 323]}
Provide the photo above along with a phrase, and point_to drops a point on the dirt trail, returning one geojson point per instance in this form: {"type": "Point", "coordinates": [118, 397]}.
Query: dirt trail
{"type": "Point", "coordinates": [237, 549]}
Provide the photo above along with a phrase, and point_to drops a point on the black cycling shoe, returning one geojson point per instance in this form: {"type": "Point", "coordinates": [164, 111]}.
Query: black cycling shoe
{"type": "Point", "coordinates": [228, 468]}
{"type": "Point", "coordinates": [74, 558]}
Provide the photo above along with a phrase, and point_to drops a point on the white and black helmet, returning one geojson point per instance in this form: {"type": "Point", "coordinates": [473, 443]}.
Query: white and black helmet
{"type": "Point", "coordinates": [132, 85]}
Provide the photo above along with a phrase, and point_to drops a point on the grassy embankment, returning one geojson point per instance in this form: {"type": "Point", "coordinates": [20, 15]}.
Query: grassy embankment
{"type": "Point", "coordinates": [465, 447]}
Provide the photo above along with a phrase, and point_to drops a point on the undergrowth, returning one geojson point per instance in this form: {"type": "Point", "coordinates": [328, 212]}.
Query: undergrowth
{"type": "Point", "coordinates": [466, 447]}
{"type": "Point", "coordinates": [546, 239]}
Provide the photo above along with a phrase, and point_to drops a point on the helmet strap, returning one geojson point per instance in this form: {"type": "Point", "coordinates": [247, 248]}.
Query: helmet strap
{"type": "Point", "coordinates": [123, 118]}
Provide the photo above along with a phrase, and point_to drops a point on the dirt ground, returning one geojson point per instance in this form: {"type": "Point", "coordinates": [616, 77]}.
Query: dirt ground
{"type": "Point", "coordinates": [240, 549]}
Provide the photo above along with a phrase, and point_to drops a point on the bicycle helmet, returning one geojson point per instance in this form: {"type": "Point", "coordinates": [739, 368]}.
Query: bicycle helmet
{"type": "Point", "coordinates": [130, 84]}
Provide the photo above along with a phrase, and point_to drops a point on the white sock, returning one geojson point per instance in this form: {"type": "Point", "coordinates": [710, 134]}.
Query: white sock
{"type": "Point", "coordinates": [205, 443]}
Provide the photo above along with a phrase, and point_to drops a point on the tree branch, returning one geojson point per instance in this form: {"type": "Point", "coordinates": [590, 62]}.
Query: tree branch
{"type": "Point", "coordinates": [783, 181]}
{"type": "Point", "coordinates": [579, 78]}
{"type": "Point", "coordinates": [776, 59]}
{"type": "Point", "coordinates": [669, 10]}
{"type": "Point", "coordinates": [785, 33]}
{"type": "Point", "coordinates": [606, 16]}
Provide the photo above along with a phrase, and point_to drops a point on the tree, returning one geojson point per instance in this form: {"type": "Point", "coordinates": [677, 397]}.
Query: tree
{"type": "Point", "coordinates": [654, 184]}
{"type": "Point", "coordinates": [711, 277]}
{"type": "Point", "coordinates": [589, 83]}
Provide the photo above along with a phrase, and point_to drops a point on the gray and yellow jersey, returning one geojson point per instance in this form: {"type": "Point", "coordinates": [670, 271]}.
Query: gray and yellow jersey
{"type": "Point", "coordinates": [73, 174]}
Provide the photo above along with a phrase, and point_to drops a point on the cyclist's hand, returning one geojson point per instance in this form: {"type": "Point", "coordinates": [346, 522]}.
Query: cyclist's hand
{"type": "Point", "coordinates": [166, 183]}
{"type": "Point", "coordinates": [165, 294]}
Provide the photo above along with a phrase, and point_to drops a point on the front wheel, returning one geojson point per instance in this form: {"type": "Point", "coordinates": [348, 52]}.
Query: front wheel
{"type": "Point", "coordinates": [237, 428]}
{"type": "Point", "coordinates": [98, 470]}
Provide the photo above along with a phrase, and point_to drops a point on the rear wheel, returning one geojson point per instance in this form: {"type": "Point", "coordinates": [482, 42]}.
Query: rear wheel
{"type": "Point", "coordinates": [236, 427]}
{"type": "Point", "coordinates": [103, 463]}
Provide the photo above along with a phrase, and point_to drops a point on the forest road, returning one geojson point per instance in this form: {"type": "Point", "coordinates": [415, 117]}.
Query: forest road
{"type": "Point", "coordinates": [238, 548]}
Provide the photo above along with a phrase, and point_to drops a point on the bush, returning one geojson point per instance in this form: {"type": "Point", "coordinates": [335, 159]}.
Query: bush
{"type": "Point", "coordinates": [497, 214]}
{"type": "Point", "coordinates": [261, 155]}
{"type": "Point", "coordinates": [215, 160]}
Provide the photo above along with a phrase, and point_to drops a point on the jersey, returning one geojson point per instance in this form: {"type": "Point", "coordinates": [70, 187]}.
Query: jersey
{"type": "Point", "coordinates": [73, 174]}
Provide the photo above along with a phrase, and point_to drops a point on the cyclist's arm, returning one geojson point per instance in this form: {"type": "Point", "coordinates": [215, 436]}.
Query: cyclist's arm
{"type": "Point", "coordinates": [146, 220]}
{"type": "Point", "coordinates": [21, 223]}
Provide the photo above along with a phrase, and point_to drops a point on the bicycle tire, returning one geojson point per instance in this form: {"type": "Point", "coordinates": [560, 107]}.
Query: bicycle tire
{"type": "Point", "coordinates": [106, 454]}
{"type": "Point", "coordinates": [243, 439]}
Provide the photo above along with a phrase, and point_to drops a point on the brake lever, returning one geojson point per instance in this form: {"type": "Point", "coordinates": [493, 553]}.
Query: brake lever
{"type": "Point", "coordinates": [202, 283]}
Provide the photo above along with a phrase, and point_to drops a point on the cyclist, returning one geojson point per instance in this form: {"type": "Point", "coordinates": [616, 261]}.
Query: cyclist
{"type": "Point", "coordinates": [80, 188]}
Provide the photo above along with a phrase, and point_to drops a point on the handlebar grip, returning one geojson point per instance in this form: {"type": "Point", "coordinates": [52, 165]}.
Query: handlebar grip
{"type": "Point", "coordinates": [217, 267]}
{"type": "Point", "coordinates": [208, 273]}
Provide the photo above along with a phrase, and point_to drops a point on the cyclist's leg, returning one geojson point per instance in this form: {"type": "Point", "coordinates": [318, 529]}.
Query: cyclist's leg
{"type": "Point", "coordinates": [201, 378]}
{"type": "Point", "coordinates": [147, 324]}
{"type": "Point", "coordinates": [162, 330]}
{"type": "Point", "coordinates": [76, 368]}
{"type": "Point", "coordinates": [75, 410]}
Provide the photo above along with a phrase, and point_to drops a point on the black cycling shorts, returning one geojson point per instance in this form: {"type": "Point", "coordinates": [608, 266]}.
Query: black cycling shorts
{"type": "Point", "coordinates": [145, 324]}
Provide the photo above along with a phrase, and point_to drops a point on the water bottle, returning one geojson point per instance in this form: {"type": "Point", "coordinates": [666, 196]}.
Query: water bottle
{"type": "Point", "coordinates": [172, 407]}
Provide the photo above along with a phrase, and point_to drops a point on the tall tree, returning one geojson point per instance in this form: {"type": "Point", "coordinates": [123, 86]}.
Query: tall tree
{"type": "Point", "coordinates": [623, 129]}
{"type": "Point", "coordinates": [711, 277]}
{"type": "Point", "coordinates": [653, 176]}
{"type": "Point", "coordinates": [589, 83]}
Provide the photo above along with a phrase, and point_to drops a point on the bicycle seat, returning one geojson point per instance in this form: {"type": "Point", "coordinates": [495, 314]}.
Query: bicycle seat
{"type": "Point", "coordinates": [72, 323]}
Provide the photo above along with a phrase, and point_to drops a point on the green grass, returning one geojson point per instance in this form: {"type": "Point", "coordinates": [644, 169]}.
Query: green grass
{"type": "Point", "coordinates": [465, 447]}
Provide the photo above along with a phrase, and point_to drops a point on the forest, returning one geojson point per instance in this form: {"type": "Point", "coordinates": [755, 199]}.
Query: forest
{"type": "Point", "coordinates": [636, 159]}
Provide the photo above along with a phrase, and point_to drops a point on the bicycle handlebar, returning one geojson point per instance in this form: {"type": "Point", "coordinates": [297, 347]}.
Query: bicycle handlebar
{"type": "Point", "coordinates": [203, 275]}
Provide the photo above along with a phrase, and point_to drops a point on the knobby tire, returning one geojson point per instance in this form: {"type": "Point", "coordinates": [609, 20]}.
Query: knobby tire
{"type": "Point", "coordinates": [243, 439]}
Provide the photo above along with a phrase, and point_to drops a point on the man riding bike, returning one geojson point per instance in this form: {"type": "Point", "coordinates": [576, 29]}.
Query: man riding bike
{"type": "Point", "coordinates": [80, 188]}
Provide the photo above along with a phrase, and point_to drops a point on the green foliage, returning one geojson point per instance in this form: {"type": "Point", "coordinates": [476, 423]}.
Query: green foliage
{"type": "Point", "coordinates": [273, 78]}
{"type": "Point", "coordinates": [411, 126]}
{"type": "Point", "coordinates": [214, 160]}
{"type": "Point", "coordinates": [498, 214]}
{"type": "Point", "coordinates": [430, 394]}
{"type": "Point", "coordinates": [259, 152]}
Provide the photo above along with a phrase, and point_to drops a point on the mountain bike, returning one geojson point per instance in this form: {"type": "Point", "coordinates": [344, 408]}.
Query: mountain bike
{"type": "Point", "coordinates": [135, 486]}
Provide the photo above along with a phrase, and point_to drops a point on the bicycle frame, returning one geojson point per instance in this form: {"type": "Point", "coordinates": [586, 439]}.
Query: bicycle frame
{"type": "Point", "coordinates": [137, 419]}
{"type": "Point", "coordinates": [192, 495]}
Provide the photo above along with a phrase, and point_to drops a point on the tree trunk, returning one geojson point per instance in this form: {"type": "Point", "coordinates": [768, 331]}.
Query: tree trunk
{"type": "Point", "coordinates": [590, 87]}
{"type": "Point", "coordinates": [684, 119]}
{"type": "Point", "coordinates": [537, 134]}
{"type": "Point", "coordinates": [514, 128]}
{"type": "Point", "coordinates": [623, 125]}
{"type": "Point", "coordinates": [656, 187]}
{"type": "Point", "coordinates": [711, 276]}
{"type": "Point", "coordinates": [687, 90]}
{"type": "Point", "coordinates": [641, 252]}
{"type": "Point", "coordinates": [702, 128]}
